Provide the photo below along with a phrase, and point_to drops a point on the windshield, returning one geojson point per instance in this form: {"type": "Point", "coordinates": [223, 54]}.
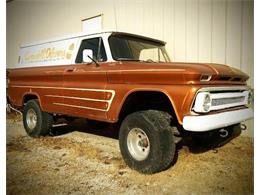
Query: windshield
{"type": "Point", "coordinates": [132, 48]}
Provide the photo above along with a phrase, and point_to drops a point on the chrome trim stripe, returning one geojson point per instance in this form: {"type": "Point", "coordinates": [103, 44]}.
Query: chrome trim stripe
{"type": "Point", "coordinates": [77, 89]}
{"type": "Point", "coordinates": [77, 98]}
{"type": "Point", "coordinates": [82, 107]}
{"type": "Point", "coordinates": [65, 88]}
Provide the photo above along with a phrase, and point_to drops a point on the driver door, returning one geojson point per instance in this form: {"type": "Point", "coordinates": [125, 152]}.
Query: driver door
{"type": "Point", "coordinates": [84, 83]}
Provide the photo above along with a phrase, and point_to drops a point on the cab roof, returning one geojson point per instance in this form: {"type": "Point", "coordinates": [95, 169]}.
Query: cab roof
{"type": "Point", "coordinates": [83, 34]}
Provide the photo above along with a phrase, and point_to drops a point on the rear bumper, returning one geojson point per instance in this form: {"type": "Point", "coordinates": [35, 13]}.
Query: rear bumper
{"type": "Point", "coordinates": [216, 121]}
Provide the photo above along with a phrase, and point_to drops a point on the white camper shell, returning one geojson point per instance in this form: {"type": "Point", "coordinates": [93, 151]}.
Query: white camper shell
{"type": "Point", "coordinates": [63, 50]}
{"type": "Point", "coordinates": [59, 51]}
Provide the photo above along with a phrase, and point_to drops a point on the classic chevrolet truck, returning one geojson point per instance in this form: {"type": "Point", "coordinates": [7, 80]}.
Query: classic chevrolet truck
{"type": "Point", "coordinates": [118, 77]}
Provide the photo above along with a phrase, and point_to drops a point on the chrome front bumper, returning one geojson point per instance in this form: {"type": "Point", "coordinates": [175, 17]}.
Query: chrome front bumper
{"type": "Point", "coordinates": [215, 121]}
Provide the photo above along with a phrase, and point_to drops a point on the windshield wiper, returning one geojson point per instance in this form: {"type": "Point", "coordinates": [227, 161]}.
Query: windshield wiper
{"type": "Point", "coordinates": [148, 61]}
{"type": "Point", "coordinates": [137, 60]}
{"type": "Point", "coordinates": [128, 59]}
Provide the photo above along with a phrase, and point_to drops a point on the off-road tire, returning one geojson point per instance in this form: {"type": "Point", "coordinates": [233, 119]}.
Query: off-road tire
{"type": "Point", "coordinates": [44, 120]}
{"type": "Point", "coordinates": [156, 126]}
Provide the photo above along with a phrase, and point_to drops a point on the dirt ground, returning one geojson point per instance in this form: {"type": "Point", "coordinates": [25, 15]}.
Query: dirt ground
{"type": "Point", "coordinates": [77, 160]}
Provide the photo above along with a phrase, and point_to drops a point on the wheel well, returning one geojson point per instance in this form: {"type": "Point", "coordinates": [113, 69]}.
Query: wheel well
{"type": "Point", "coordinates": [29, 97]}
{"type": "Point", "coordinates": [147, 100]}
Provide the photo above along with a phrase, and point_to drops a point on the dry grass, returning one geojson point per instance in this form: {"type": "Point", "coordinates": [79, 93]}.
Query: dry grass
{"type": "Point", "coordinates": [79, 162]}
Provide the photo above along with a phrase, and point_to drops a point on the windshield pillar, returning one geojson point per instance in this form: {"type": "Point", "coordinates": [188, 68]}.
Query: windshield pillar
{"type": "Point", "coordinates": [107, 47]}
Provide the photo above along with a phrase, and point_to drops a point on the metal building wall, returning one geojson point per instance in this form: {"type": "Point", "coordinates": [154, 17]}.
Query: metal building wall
{"type": "Point", "coordinates": [218, 31]}
{"type": "Point", "coordinates": [196, 30]}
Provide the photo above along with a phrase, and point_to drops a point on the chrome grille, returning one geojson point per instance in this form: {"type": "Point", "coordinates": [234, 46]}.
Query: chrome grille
{"type": "Point", "coordinates": [221, 98]}
{"type": "Point", "coordinates": [224, 101]}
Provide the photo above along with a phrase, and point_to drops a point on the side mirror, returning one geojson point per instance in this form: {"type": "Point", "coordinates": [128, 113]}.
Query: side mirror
{"type": "Point", "coordinates": [87, 56]}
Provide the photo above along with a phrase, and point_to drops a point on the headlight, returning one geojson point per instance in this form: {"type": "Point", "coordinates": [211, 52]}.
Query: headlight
{"type": "Point", "coordinates": [202, 102]}
{"type": "Point", "coordinates": [207, 102]}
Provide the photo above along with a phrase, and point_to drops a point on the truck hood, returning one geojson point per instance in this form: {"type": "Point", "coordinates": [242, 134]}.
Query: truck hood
{"type": "Point", "coordinates": [174, 73]}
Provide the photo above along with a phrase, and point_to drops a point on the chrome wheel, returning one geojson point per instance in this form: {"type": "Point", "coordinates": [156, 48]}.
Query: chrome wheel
{"type": "Point", "coordinates": [138, 144]}
{"type": "Point", "coordinates": [31, 119]}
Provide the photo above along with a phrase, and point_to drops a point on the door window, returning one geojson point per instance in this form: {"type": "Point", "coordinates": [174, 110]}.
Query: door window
{"type": "Point", "coordinates": [96, 45]}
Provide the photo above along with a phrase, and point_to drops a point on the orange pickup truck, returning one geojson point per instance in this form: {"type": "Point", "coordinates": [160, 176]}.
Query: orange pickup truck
{"type": "Point", "coordinates": [118, 77]}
